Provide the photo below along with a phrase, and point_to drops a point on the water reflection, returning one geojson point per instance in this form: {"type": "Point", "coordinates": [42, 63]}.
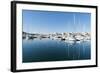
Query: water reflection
{"type": "Point", "coordinates": [40, 50]}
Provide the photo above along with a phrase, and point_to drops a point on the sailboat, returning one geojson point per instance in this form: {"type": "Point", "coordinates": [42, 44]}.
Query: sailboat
{"type": "Point", "coordinates": [71, 36]}
{"type": "Point", "coordinates": [79, 36]}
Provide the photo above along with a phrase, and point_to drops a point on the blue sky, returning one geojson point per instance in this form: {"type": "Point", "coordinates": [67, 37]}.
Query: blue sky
{"type": "Point", "coordinates": [51, 21]}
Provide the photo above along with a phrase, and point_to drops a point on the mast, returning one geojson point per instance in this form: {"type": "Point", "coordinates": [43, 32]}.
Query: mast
{"type": "Point", "coordinates": [74, 24]}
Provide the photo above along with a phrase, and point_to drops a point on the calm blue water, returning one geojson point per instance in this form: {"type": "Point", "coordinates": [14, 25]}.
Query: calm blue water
{"type": "Point", "coordinates": [55, 50]}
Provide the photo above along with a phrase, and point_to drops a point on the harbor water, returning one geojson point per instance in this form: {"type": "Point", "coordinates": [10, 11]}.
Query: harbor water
{"type": "Point", "coordinates": [43, 50]}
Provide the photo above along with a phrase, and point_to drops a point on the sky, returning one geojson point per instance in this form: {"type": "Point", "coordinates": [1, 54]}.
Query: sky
{"type": "Point", "coordinates": [35, 21]}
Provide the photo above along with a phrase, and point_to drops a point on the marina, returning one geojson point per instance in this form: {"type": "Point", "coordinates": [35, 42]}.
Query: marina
{"type": "Point", "coordinates": [56, 47]}
{"type": "Point", "coordinates": [55, 36]}
{"type": "Point", "coordinates": [58, 36]}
